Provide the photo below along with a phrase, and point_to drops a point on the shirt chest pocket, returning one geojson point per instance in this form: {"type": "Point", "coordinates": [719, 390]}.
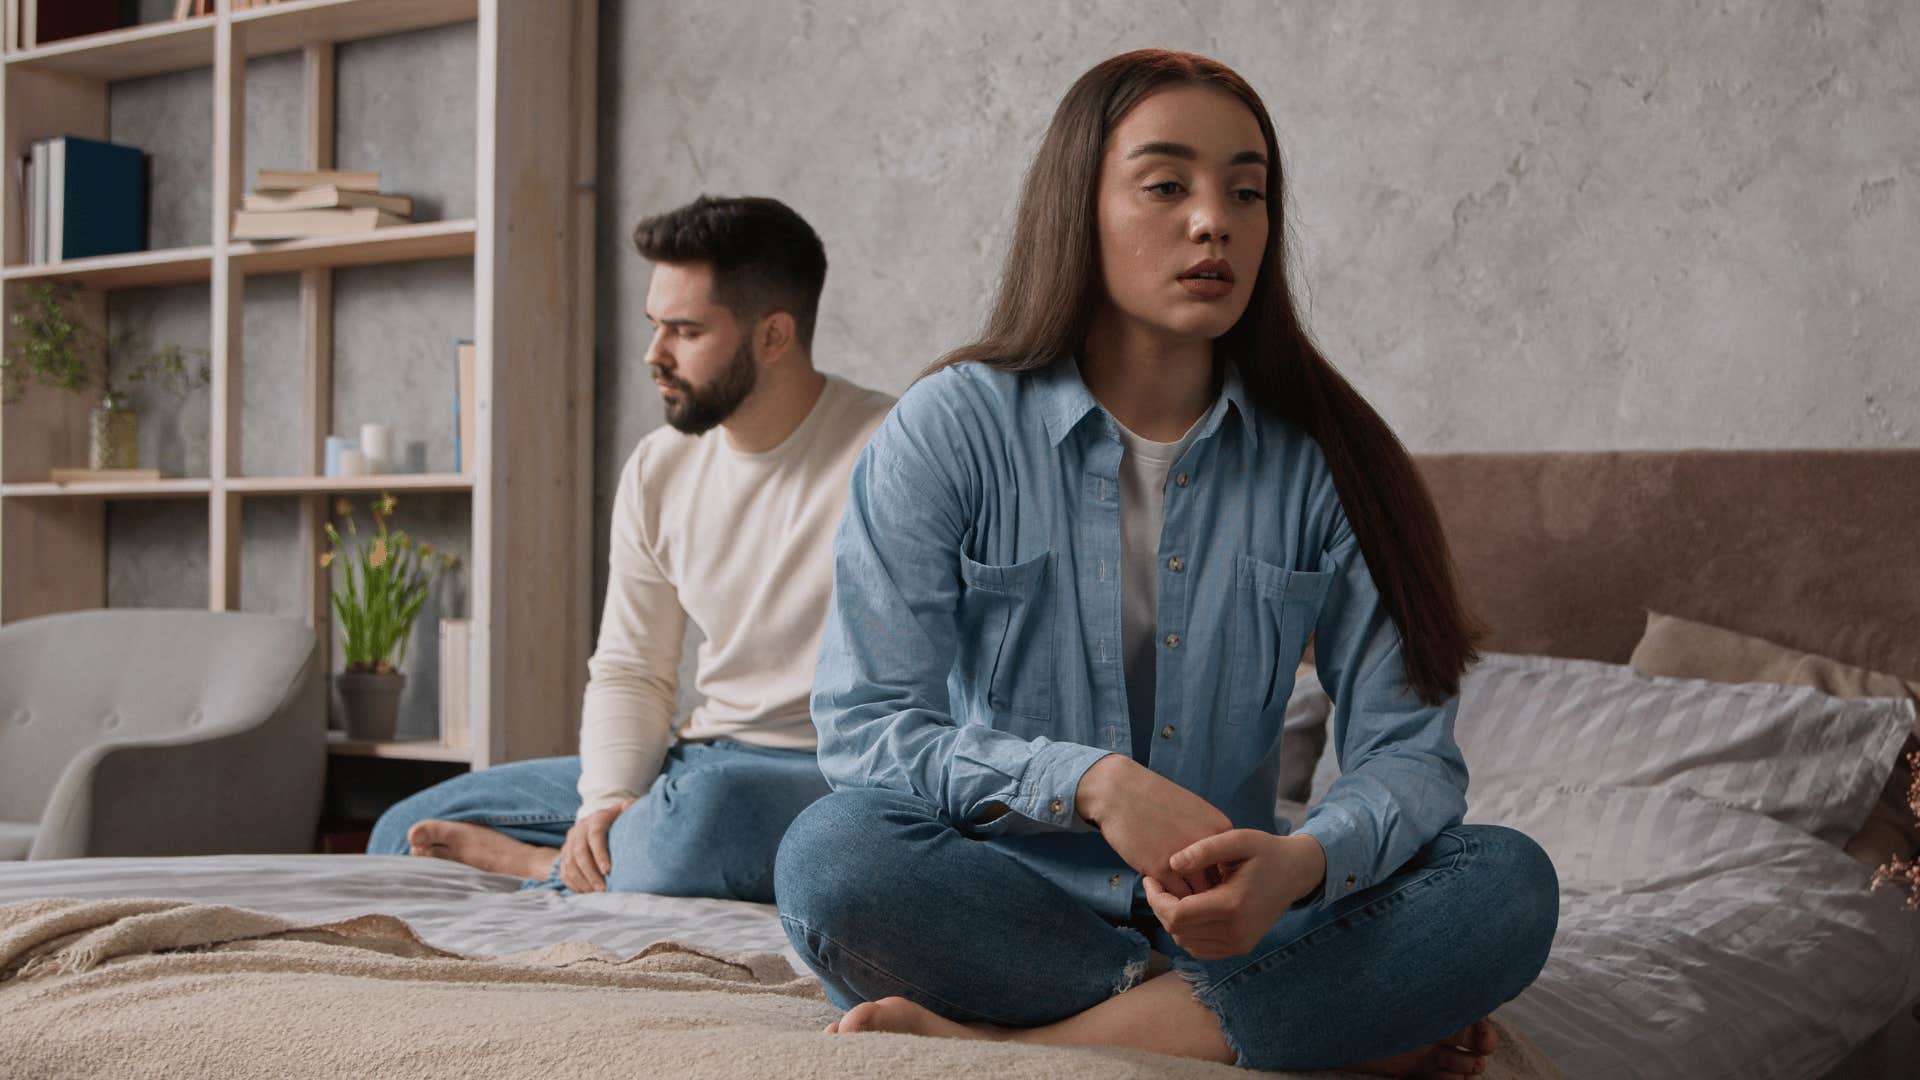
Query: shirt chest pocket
{"type": "Point", "coordinates": [1272, 613]}
{"type": "Point", "coordinates": [1006, 634]}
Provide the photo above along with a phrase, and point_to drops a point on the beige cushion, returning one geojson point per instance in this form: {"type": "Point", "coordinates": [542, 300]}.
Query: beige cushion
{"type": "Point", "coordinates": [1683, 649]}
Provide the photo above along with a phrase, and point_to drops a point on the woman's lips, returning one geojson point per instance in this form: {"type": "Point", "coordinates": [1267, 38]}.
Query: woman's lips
{"type": "Point", "coordinates": [1206, 288]}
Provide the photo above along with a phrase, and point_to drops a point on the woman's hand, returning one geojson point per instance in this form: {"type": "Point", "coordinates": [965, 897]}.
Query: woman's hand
{"type": "Point", "coordinates": [1147, 818]}
{"type": "Point", "coordinates": [1261, 875]}
{"type": "Point", "coordinates": [584, 859]}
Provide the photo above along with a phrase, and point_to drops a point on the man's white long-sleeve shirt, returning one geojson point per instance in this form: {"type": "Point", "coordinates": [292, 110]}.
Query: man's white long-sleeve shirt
{"type": "Point", "coordinates": [743, 545]}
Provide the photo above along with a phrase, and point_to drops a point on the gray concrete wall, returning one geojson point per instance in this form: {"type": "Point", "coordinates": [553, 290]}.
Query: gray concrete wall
{"type": "Point", "coordinates": [1558, 225]}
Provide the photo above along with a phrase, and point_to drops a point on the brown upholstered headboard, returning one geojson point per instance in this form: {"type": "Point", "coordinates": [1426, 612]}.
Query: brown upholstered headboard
{"type": "Point", "coordinates": [1561, 553]}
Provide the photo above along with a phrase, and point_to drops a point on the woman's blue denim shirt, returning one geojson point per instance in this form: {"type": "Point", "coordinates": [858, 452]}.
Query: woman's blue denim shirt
{"type": "Point", "coordinates": [972, 649]}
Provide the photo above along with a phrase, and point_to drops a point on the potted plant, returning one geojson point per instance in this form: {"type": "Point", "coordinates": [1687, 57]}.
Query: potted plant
{"type": "Point", "coordinates": [386, 577]}
{"type": "Point", "coordinates": [47, 343]}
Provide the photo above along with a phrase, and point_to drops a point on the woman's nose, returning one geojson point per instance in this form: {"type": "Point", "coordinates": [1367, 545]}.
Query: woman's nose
{"type": "Point", "coordinates": [1209, 223]}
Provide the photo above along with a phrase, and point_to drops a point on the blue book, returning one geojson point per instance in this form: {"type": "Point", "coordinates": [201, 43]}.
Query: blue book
{"type": "Point", "coordinates": [96, 198]}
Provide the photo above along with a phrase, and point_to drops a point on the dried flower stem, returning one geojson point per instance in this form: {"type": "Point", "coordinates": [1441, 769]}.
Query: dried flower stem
{"type": "Point", "coordinates": [1905, 872]}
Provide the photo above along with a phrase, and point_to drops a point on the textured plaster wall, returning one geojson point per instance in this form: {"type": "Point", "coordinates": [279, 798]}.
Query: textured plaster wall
{"type": "Point", "coordinates": [1558, 225]}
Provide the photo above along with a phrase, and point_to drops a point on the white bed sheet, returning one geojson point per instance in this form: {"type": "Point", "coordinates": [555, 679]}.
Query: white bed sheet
{"type": "Point", "coordinates": [1731, 966]}
{"type": "Point", "coordinates": [449, 905]}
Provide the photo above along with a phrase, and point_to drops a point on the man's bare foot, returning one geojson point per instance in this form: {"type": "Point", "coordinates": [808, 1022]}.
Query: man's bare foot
{"type": "Point", "coordinates": [903, 1017]}
{"type": "Point", "coordinates": [1441, 1060]}
{"type": "Point", "coordinates": [480, 847]}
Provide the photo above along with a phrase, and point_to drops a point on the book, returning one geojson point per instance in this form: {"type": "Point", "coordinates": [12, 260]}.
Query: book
{"type": "Point", "coordinates": [326, 197]}
{"type": "Point", "coordinates": [83, 476]}
{"type": "Point", "coordinates": [61, 19]}
{"type": "Point", "coordinates": [456, 643]}
{"type": "Point", "coordinates": [465, 389]}
{"type": "Point", "coordinates": [291, 224]}
{"type": "Point", "coordinates": [95, 200]}
{"type": "Point", "coordinates": [293, 179]}
{"type": "Point", "coordinates": [37, 204]}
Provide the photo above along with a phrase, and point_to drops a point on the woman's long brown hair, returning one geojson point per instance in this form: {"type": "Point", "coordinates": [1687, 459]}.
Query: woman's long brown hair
{"type": "Point", "coordinates": [1050, 291]}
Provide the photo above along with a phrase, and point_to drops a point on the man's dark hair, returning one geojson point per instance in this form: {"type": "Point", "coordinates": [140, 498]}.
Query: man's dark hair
{"type": "Point", "coordinates": [765, 257]}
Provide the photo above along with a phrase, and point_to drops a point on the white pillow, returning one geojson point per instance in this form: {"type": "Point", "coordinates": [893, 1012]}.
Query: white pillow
{"type": "Point", "coordinates": [1796, 755]}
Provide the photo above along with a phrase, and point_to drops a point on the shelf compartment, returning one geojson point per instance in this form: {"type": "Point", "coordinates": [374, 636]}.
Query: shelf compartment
{"type": "Point", "coordinates": [108, 489]}
{"type": "Point", "coordinates": [148, 49]}
{"type": "Point", "coordinates": [407, 749]}
{"type": "Point", "coordinates": [326, 485]}
{"type": "Point", "coordinates": [159, 47]}
{"type": "Point", "coordinates": [294, 24]}
{"type": "Point", "coordinates": [398, 243]}
{"type": "Point", "coordinates": [133, 270]}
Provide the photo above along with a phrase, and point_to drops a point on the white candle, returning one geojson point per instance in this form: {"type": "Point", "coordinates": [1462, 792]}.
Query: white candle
{"type": "Point", "coordinates": [376, 443]}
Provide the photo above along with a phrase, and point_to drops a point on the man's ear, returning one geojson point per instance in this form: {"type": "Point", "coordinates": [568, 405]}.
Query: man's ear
{"type": "Point", "coordinates": [774, 336]}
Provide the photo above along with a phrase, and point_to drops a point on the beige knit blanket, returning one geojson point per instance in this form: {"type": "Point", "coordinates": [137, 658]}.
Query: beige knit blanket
{"type": "Point", "coordinates": [165, 988]}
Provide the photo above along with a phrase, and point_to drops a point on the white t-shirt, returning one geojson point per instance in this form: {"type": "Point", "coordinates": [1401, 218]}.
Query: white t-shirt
{"type": "Point", "coordinates": [1144, 465]}
{"type": "Point", "coordinates": [743, 545]}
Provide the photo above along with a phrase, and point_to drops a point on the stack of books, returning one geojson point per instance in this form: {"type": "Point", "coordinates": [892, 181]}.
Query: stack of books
{"type": "Point", "coordinates": [285, 204]}
{"type": "Point", "coordinates": [83, 197]}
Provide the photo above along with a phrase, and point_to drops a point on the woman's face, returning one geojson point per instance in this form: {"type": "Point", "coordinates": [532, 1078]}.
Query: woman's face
{"type": "Point", "coordinates": [1182, 212]}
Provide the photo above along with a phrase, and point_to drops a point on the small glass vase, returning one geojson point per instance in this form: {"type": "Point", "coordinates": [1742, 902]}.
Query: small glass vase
{"type": "Point", "coordinates": [113, 436]}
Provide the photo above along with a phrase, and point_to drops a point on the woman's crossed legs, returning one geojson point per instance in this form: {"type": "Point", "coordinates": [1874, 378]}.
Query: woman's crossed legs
{"type": "Point", "coordinates": [914, 926]}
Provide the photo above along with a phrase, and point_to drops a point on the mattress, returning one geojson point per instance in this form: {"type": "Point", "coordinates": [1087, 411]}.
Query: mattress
{"type": "Point", "coordinates": [1769, 959]}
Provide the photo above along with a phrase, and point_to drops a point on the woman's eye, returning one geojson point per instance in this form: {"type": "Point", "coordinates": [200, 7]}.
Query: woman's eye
{"type": "Point", "coordinates": [1165, 187]}
{"type": "Point", "coordinates": [1250, 195]}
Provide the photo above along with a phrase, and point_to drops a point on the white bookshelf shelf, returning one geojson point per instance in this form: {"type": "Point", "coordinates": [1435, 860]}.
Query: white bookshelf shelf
{"type": "Point", "coordinates": [406, 749]}
{"type": "Point", "coordinates": [156, 48]}
{"type": "Point", "coordinates": [324, 485]}
{"type": "Point", "coordinates": [108, 489]}
{"type": "Point", "coordinates": [134, 270]}
{"type": "Point", "coordinates": [397, 243]}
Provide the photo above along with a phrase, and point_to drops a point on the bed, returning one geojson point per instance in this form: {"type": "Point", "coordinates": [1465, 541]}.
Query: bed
{"type": "Point", "coordinates": [1711, 925]}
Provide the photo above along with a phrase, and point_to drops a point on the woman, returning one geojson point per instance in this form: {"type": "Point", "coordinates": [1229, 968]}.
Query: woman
{"type": "Point", "coordinates": [1080, 562]}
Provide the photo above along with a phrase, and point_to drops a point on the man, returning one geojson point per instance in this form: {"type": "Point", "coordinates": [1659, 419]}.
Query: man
{"type": "Point", "coordinates": [731, 528]}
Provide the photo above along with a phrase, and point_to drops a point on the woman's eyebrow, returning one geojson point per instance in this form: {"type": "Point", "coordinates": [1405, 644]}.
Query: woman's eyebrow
{"type": "Point", "coordinates": [1188, 153]}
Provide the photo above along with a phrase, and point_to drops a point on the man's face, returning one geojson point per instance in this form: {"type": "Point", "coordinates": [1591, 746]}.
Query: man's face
{"type": "Point", "coordinates": [702, 358]}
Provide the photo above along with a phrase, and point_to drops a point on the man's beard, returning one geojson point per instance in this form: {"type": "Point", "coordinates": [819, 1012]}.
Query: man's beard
{"type": "Point", "coordinates": [700, 409]}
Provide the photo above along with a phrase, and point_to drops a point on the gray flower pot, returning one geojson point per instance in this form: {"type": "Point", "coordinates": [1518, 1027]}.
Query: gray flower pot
{"type": "Point", "coordinates": [372, 701]}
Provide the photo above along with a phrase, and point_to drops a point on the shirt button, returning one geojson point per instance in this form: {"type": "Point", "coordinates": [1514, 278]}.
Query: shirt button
{"type": "Point", "coordinates": [1173, 641]}
{"type": "Point", "coordinates": [1349, 881]}
{"type": "Point", "coordinates": [1167, 732]}
{"type": "Point", "coordinates": [1176, 564]}
{"type": "Point", "coordinates": [1056, 807]}
{"type": "Point", "coordinates": [1114, 881]}
{"type": "Point", "coordinates": [1180, 481]}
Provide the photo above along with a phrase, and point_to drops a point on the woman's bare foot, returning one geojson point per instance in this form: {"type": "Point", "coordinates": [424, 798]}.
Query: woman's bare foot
{"type": "Point", "coordinates": [1441, 1060]}
{"type": "Point", "coordinates": [903, 1017]}
{"type": "Point", "coordinates": [480, 847]}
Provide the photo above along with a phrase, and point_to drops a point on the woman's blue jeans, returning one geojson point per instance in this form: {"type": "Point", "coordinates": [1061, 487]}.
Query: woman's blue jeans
{"type": "Point", "coordinates": [709, 826]}
{"type": "Point", "coordinates": [881, 895]}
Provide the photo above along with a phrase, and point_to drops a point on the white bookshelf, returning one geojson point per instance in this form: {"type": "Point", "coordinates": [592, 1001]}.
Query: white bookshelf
{"type": "Point", "coordinates": [531, 244]}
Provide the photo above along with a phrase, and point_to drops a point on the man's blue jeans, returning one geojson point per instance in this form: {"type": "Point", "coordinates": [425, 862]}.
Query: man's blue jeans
{"type": "Point", "coordinates": [709, 826]}
{"type": "Point", "coordinates": [881, 895]}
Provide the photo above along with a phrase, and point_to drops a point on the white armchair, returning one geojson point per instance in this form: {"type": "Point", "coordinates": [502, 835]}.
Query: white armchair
{"type": "Point", "coordinates": [138, 732]}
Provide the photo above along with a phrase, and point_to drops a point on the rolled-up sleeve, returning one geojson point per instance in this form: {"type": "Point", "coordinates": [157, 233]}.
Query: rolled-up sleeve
{"type": "Point", "coordinates": [1402, 778]}
{"type": "Point", "coordinates": [880, 695]}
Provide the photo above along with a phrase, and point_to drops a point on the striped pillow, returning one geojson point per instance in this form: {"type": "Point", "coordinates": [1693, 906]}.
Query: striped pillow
{"type": "Point", "coordinates": [1799, 756]}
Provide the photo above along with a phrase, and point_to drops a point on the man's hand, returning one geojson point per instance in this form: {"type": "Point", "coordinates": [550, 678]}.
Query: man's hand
{"type": "Point", "coordinates": [1147, 818]}
{"type": "Point", "coordinates": [584, 860]}
{"type": "Point", "coordinates": [1261, 876]}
